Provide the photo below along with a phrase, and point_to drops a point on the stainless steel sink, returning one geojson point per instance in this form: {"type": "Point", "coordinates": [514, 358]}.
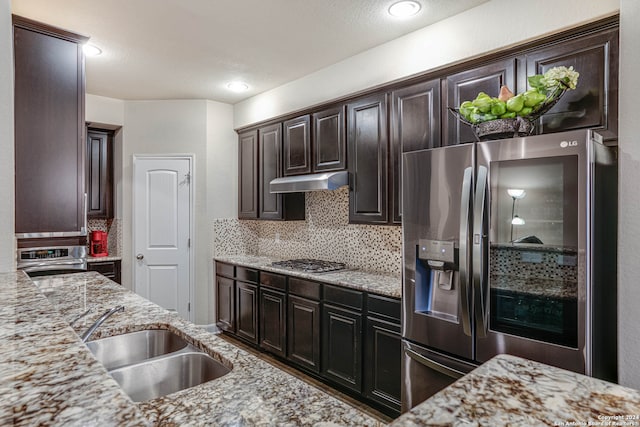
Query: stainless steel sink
{"type": "Point", "coordinates": [155, 362]}
{"type": "Point", "coordinates": [165, 375]}
{"type": "Point", "coordinates": [126, 349]}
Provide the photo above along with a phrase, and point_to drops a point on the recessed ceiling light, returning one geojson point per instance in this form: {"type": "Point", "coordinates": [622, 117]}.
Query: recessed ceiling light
{"type": "Point", "coordinates": [404, 9]}
{"type": "Point", "coordinates": [91, 49]}
{"type": "Point", "coordinates": [238, 86]}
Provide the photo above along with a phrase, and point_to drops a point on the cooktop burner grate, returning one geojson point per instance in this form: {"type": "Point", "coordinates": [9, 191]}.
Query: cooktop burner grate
{"type": "Point", "coordinates": [310, 265]}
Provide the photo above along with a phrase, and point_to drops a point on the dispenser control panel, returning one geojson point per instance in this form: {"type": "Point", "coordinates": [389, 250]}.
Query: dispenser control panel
{"type": "Point", "coordinates": [437, 250]}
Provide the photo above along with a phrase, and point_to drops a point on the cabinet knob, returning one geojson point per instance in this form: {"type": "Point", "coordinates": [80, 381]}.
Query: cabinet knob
{"type": "Point", "coordinates": [139, 257]}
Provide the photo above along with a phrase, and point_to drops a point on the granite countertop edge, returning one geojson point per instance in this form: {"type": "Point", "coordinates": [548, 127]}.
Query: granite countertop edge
{"type": "Point", "coordinates": [385, 284]}
{"type": "Point", "coordinates": [91, 259]}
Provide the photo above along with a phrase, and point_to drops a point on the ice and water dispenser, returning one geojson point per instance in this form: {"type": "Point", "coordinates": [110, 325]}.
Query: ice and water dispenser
{"type": "Point", "coordinates": [437, 279]}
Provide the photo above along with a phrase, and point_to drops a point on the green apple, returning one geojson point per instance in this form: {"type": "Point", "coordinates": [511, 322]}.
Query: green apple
{"type": "Point", "coordinates": [516, 103]}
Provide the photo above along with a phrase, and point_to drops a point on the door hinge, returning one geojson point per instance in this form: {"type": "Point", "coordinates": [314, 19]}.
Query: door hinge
{"type": "Point", "coordinates": [189, 242]}
{"type": "Point", "coordinates": [189, 306]}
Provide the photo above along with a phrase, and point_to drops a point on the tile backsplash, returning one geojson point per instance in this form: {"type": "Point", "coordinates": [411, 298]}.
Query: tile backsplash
{"type": "Point", "coordinates": [324, 234]}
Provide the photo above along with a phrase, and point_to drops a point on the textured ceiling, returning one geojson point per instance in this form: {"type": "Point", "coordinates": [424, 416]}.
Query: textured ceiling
{"type": "Point", "coordinates": [190, 49]}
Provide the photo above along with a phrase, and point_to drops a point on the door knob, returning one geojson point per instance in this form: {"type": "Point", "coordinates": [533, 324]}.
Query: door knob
{"type": "Point", "coordinates": [139, 257]}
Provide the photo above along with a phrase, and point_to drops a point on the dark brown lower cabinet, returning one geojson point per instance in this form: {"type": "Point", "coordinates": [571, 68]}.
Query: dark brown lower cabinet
{"type": "Point", "coordinates": [344, 337]}
{"type": "Point", "coordinates": [225, 304]}
{"type": "Point", "coordinates": [382, 362]}
{"type": "Point", "coordinates": [109, 269]}
{"type": "Point", "coordinates": [273, 322]}
{"type": "Point", "coordinates": [247, 311]}
{"type": "Point", "coordinates": [342, 346]}
{"type": "Point", "coordinates": [303, 323]}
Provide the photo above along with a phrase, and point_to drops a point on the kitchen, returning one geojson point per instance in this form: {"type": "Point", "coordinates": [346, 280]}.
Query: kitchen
{"type": "Point", "coordinates": [138, 116]}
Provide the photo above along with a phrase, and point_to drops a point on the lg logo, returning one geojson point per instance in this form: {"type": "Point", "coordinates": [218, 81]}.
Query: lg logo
{"type": "Point", "coordinates": [565, 144]}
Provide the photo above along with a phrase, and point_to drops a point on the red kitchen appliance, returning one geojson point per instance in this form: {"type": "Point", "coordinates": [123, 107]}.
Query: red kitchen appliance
{"type": "Point", "coordinates": [98, 245]}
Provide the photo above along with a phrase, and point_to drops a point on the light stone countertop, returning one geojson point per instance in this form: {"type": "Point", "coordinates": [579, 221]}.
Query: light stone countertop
{"type": "Point", "coordinates": [91, 259]}
{"type": "Point", "coordinates": [511, 391]}
{"type": "Point", "coordinates": [377, 283]}
{"type": "Point", "coordinates": [48, 377]}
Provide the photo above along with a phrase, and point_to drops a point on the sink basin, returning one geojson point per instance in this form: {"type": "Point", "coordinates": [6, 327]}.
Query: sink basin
{"type": "Point", "coordinates": [169, 374]}
{"type": "Point", "coordinates": [126, 349]}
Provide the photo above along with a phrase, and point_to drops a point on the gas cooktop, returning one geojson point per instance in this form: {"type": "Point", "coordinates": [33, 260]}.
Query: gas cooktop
{"type": "Point", "coordinates": [310, 265]}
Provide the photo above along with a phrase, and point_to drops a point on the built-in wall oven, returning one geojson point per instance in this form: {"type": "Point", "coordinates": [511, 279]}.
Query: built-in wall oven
{"type": "Point", "coordinates": [44, 261]}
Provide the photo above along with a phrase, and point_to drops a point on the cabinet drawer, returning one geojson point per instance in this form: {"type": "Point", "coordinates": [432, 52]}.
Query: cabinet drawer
{"type": "Point", "coordinates": [247, 274]}
{"type": "Point", "coordinates": [275, 281]}
{"type": "Point", "coordinates": [342, 296]}
{"type": "Point", "coordinates": [304, 288]}
{"type": "Point", "coordinates": [223, 269]}
{"type": "Point", "coordinates": [384, 307]}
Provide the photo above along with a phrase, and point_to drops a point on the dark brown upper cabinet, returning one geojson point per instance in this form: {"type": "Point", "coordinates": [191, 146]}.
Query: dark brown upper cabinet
{"type": "Point", "coordinates": [270, 143]}
{"type": "Point", "coordinates": [415, 125]}
{"type": "Point", "coordinates": [248, 175]}
{"type": "Point", "coordinates": [49, 130]}
{"type": "Point", "coordinates": [273, 206]}
{"type": "Point", "coordinates": [368, 144]}
{"type": "Point", "coordinates": [466, 85]}
{"type": "Point", "coordinates": [594, 102]}
{"type": "Point", "coordinates": [315, 143]}
{"type": "Point", "coordinates": [329, 148]}
{"type": "Point", "coordinates": [99, 174]}
{"type": "Point", "coordinates": [297, 146]}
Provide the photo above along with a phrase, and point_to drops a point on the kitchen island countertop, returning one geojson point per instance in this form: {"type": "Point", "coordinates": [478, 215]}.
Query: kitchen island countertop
{"type": "Point", "coordinates": [49, 377]}
{"type": "Point", "coordinates": [378, 283]}
{"type": "Point", "coordinates": [511, 391]}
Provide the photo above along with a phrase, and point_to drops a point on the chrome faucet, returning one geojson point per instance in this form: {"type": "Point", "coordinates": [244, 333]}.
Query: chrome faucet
{"type": "Point", "coordinates": [100, 321]}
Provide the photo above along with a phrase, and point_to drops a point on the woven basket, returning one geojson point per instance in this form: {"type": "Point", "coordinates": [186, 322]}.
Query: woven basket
{"type": "Point", "coordinates": [511, 128]}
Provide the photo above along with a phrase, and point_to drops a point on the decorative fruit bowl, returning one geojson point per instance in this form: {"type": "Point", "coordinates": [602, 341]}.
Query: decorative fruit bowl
{"type": "Point", "coordinates": [510, 115]}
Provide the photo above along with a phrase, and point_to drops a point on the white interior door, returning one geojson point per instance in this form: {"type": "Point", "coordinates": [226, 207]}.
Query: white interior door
{"type": "Point", "coordinates": [162, 217]}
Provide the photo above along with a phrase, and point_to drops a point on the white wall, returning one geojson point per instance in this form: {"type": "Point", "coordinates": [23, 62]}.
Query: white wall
{"type": "Point", "coordinates": [487, 27]}
{"type": "Point", "coordinates": [7, 185]}
{"type": "Point", "coordinates": [100, 109]}
{"type": "Point", "coordinates": [629, 216]}
{"type": "Point", "coordinates": [222, 180]}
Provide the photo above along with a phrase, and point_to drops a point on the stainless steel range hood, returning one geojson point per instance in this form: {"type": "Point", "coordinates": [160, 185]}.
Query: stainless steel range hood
{"type": "Point", "coordinates": [314, 182]}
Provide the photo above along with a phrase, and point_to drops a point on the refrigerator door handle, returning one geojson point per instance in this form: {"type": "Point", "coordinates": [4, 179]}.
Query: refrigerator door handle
{"type": "Point", "coordinates": [445, 370]}
{"type": "Point", "coordinates": [478, 260]}
{"type": "Point", "coordinates": [463, 252]}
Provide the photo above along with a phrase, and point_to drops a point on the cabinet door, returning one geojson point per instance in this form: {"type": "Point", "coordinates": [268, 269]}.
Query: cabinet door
{"type": "Point", "coordinates": [273, 319]}
{"type": "Point", "coordinates": [225, 304]}
{"type": "Point", "coordinates": [368, 146]}
{"type": "Point", "coordinates": [466, 85]}
{"type": "Point", "coordinates": [342, 346]}
{"type": "Point", "coordinates": [594, 102]}
{"type": "Point", "coordinates": [303, 337]}
{"type": "Point", "coordinates": [248, 174]}
{"type": "Point", "coordinates": [415, 125]}
{"type": "Point", "coordinates": [247, 311]}
{"type": "Point", "coordinates": [49, 132]}
{"type": "Point", "coordinates": [99, 174]}
{"type": "Point", "coordinates": [382, 363]}
{"type": "Point", "coordinates": [329, 148]}
{"type": "Point", "coordinates": [297, 146]}
{"type": "Point", "coordinates": [270, 143]}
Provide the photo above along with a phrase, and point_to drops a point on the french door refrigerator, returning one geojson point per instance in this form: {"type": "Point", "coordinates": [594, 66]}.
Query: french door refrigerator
{"type": "Point", "coordinates": [509, 246]}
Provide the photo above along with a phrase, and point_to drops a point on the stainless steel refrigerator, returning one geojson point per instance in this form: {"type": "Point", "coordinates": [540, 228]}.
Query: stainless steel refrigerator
{"type": "Point", "coordinates": [509, 246]}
